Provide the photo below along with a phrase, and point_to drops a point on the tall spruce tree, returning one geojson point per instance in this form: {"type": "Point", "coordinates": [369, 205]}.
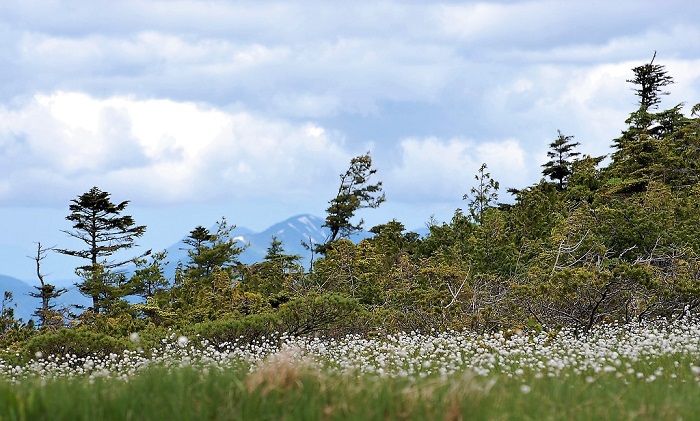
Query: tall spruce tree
{"type": "Point", "coordinates": [99, 224]}
{"type": "Point", "coordinates": [561, 153]}
{"type": "Point", "coordinates": [642, 152]}
{"type": "Point", "coordinates": [355, 192]}
{"type": "Point", "coordinates": [649, 80]}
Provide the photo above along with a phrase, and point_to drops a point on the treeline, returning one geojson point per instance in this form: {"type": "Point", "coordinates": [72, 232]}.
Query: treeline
{"type": "Point", "coordinates": [588, 244]}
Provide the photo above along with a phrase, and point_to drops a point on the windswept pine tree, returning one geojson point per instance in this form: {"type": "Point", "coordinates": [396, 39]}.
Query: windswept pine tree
{"type": "Point", "coordinates": [355, 192]}
{"type": "Point", "coordinates": [649, 80]}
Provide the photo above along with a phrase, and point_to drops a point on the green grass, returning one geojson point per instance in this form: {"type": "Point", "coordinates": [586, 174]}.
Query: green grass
{"type": "Point", "coordinates": [291, 392]}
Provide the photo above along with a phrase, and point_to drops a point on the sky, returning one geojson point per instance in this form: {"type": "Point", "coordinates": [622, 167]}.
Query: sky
{"type": "Point", "coordinates": [195, 110]}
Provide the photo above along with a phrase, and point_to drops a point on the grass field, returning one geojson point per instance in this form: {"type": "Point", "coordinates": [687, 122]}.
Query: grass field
{"type": "Point", "coordinates": [647, 371]}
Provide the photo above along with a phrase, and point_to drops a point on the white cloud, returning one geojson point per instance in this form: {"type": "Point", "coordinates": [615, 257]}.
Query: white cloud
{"type": "Point", "coordinates": [307, 80]}
{"type": "Point", "coordinates": [311, 60]}
{"type": "Point", "coordinates": [438, 170]}
{"type": "Point", "coordinates": [562, 27]}
{"type": "Point", "coordinates": [143, 53]}
{"type": "Point", "coordinates": [158, 151]}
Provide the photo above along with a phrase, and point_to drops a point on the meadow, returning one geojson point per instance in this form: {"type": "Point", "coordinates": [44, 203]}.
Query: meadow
{"type": "Point", "coordinates": [635, 371]}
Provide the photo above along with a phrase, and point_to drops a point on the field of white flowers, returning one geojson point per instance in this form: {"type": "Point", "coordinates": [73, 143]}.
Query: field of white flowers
{"type": "Point", "coordinates": [626, 351]}
{"type": "Point", "coordinates": [637, 371]}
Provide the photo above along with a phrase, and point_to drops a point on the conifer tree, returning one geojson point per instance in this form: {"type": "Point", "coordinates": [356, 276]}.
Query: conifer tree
{"type": "Point", "coordinates": [642, 152]}
{"type": "Point", "coordinates": [8, 323]}
{"type": "Point", "coordinates": [649, 79]}
{"type": "Point", "coordinates": [148, 278]}
{"type": "Point", "coordinates": [210, 251]}
{"type": "Point", "coordinates": [99, 224]}
{"type": "Point", "coordinates": [276, 254]}
{"type": "Point", "coordinates": [47, 314]}
{"type": "Point", "coordinates": [105, 287]}
{"type": "Point", "coordinates": [355, 192]}
{"type": "Point", "coordinates": [561, 153]}
{"type": "Point", "coordinates": [483, 196]}
{"type": "Point", "coordinates": [270, 277]}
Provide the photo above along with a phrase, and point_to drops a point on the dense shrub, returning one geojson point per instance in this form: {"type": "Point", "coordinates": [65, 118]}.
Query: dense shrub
{"type": "Point", "coordinates": [246, 329]}
{"type": "Point", "coordinates": [78, 342]}
{"type": "Point", "coordinates": [327, 315]}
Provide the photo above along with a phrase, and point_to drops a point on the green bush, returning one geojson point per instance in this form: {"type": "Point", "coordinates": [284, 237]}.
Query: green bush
{"type": "Point", "coordinates": [329, 315]}
{"type": "Point", "coordinates": [247, 329]}
{"type": "Point", "coordinates": [78, 342]}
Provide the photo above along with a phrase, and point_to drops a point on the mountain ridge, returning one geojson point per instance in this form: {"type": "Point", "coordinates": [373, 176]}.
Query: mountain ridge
{"type": "Point", "coordinates": [291, 232]}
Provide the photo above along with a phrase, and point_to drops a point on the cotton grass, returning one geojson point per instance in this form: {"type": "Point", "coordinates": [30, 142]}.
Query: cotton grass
{"type": "Point", "coordinates": [620, 350]}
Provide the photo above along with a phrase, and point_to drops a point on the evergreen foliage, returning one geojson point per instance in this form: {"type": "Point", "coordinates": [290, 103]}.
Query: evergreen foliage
{"type": "Point", "coordinates": [559, 167]}
{"type": "Point", "coordinates": [355, 192]}
{"type": "Point", "coordinates": [276, 276]}
{"type": "Point", "coordinates": [78, 342]}
{"type": "Point", "coordinates": [210, 251]}
{"type": "Point", "coordinates": [99, 224]}
{"type": "Point", "coordinates": [482, 196]}
{"type": "Point", "coordinates": [148, 278]}
{"type": "Point", "coordinates": [649, 79]}
{"type": "Point", "coordinates": [47, 313]}
{"type": "Point", "coordinates": [647, 149]}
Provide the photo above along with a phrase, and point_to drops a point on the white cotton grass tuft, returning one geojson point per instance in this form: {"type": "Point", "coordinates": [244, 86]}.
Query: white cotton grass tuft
{"type": "Point", "coordinates": [612, 350]}
{"type": "Point", "coordinates": [182, 341]}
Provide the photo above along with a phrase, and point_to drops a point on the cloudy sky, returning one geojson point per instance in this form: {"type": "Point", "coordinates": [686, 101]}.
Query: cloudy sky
{"type": "Point", "coordinates": [197, 109]}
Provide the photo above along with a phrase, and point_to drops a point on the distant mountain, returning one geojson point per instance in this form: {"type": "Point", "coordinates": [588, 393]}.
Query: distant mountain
{"type": "Point", "coordinates": [291, 232]}
{"type": "Point", "coordinates": [25, 305]}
